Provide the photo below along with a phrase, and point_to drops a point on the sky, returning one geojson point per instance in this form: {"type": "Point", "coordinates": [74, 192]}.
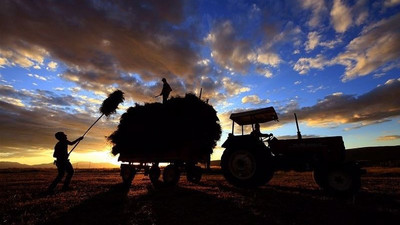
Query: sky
{"type": "Point", "coordinates": [336, 64]}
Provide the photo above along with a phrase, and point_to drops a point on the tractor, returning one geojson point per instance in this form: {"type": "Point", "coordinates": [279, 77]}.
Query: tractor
{"type": "Point", "coordinates": [250, 159]}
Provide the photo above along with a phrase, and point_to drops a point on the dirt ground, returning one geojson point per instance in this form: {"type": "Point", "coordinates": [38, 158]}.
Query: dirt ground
{"type": "Point", "coordinates": [289, 198]}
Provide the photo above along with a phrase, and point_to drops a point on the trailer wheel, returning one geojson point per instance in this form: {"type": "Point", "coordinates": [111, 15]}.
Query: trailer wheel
{"type": "Point", "coordinates": [154, 174]}
{"type": "Point", "coordinates": [319, 178]}
{"type": "Point", "coordinates": [127, 173]}
{"type": "Point", "coordinates": [171, 175]}
{"type": "Point", "coordinates": [193, 174]}
{"type": "Point", "coordinates": [247, 168]}
{"type": "Point", "coordinates": [342, 180]}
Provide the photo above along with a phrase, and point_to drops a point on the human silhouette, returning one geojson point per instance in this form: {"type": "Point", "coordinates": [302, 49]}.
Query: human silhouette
{"type": "Point", "coordinates": [165, 90]}
{"type": "Point", "coordinates": [63, 164]}
{"type": "Point", "coordinates": [256, 132]}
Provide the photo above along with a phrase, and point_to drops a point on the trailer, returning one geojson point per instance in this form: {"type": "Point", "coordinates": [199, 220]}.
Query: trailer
{"type": "Point", "coordinates": [166, 139]}
{"type": "Point", "coordinates": [174, 161]}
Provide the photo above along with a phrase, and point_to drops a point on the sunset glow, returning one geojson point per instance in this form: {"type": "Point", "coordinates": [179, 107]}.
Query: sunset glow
{"type": "Point", "coordinates": [336, 64]}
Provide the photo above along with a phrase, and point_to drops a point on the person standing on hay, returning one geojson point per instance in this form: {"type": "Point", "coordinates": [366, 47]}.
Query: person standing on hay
{"type": "Point", "coordinates": [62, 162]}
{"type": "Point", "coordinates": [165, 90]}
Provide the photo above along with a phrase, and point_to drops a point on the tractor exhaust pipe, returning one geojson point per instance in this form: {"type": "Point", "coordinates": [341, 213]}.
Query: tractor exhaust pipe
{"type": "Point", "coordinates": [297, 125]}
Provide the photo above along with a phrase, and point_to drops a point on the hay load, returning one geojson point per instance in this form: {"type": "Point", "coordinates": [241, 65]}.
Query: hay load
{"type": "Point", "coordinates": [183, 124]}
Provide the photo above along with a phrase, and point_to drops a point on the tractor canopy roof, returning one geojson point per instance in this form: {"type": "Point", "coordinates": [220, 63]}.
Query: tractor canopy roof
{"type": "Point", "coordinates": [254, 116]}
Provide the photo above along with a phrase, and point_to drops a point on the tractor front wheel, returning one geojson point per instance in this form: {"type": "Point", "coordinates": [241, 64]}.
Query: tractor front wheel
{"type": "Point", "coordinates": [339, 180]}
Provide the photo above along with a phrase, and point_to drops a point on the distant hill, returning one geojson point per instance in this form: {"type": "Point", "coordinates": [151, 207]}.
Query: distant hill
{"type": "Point", "coordinates": [377, 154]}
{"type": "Point", "coordinates": [369, 154]}
{"type": "Point", "coordinates": [7, 165]}
{"type": "Point", "coordinates": [94, 165]}
{"type": "Point", "coordinates": [77, 165]}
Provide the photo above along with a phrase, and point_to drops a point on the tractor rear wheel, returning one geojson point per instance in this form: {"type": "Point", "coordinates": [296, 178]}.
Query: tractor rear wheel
{"type": "Point", "coordinates": [171, 175]}
{"type": "Point", "coordinates": [247, 168]}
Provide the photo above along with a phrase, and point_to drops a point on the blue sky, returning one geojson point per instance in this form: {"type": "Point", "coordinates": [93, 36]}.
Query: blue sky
{"type": "Point", "coordinates": [334, 63]}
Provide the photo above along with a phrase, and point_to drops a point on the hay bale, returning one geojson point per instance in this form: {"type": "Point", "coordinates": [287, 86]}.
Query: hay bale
{"type": "Point", "coordinates": [181, 124]}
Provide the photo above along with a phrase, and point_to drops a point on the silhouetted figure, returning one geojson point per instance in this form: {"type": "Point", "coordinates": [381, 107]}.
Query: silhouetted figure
{"type": "Point", "coordinates": [256, 132]}
{"type": "Point", "coordinates": [165, 90]}
{"type": "Point", "coordinates": [62, 162]}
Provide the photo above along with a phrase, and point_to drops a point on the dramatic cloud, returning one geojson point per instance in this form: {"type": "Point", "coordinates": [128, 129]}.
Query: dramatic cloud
{"type": "Point", "coordinates": [360, 11]}
{"type": "Point", "coordinates": [25, 56]}
{"type": "Point", "coordinates": [313, 41]}
{"type": "Point", "coordinates": [303, 65]}
{"type": "Point", "coordinates": [99, 39]}
{"type": "Point", "coordinates": [237, 54]}
{"type": "Point", "coordinates": [254, 99]}
{"type": "Point", "coordinates": [389, 138]}
{"type": "Point", "coordinates": [340, 16]}
{"type": "Point", "coordinates": [376, 106]}
{"type": "Point", "coordinates": [52, 66]}
{"type": "Point", "coordinates": [227, 49]}
{"type": "Point", "coordinates": [317, 8]}
{"type": "Point", "coordinates": [391, 3]}
{"type": "Point", "coordinates": [378, 45]}
{"type": "Point", "coordinates": [264, 71]}
{"type": "Point", "coordinates": [269, 58]}
{"type": "Point", "coordinates": [233, 88]}
{"type": "Point", "coordinates": [30, 130]}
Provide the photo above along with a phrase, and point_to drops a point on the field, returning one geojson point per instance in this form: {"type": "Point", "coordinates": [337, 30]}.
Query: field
{"type": "Point", "coordinates": [290, 198]}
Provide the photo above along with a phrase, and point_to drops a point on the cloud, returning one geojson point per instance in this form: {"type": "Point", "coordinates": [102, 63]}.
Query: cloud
{"type": "Point", "coordinates": [317, 8]}
{"type": "Point", "coordinates": [24, 56]}
{"type": "Point", "coordinates": [312, 89]}
{"type": "Point", "coordinates": [37, 77]}
{"type": "Point", "coordinates": [227, 49]}
{"type": "Point", "coordinates": [95, 37]}
{"type": "Point", "coordinates": [237, 54]}
{"type": "Point", "coordinates": [254, 99]}
{"type": "Point", "coordinates": [303, 65]}
{"type": "Point", "coordinates": [52, 66]}
{"type": "Point", "coordinates": [28, 129]}
{"type": "Point", "coordinates": [391, 3]}
{"type": "Point", "coordinates": [388, 138]}
{"type": "Point", "coordinates": [331, 44]}
{"type": "Point", "coordinates": [365, 123]}
{"type": "Point", "coordinates": [377, 106]}
{"type": "Point", "coordinates": [313, 41]}
{"type": "Point", "coordinates": [269, 58]}
{"type": "Point", "coordinates": [264, 71]}
{"type": "Point", "coordinates": [341, 17]}
{"type": "Point", "coordinates": [360, 11]}
{"type": "Point", "coordinates": [3, 62]}
{"type": "Point", "coordinates": [233, 88]}
{"type": "Point", "coordinates": [378, 44]}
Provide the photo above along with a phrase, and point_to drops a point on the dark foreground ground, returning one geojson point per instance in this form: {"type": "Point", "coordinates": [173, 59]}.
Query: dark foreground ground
{"type": "Point", "coordinates": [289, 198]}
